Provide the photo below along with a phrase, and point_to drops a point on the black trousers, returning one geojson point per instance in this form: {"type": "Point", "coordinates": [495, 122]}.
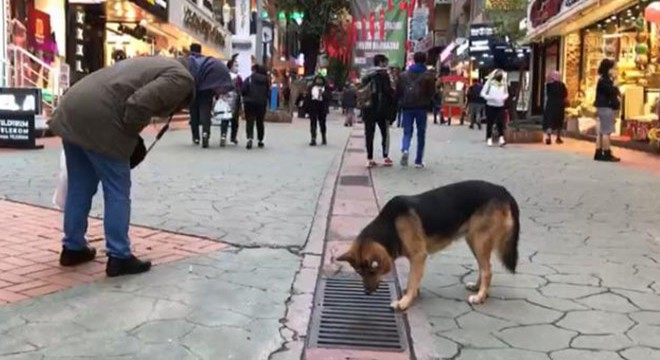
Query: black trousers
{"type": "Point", "coordinates": [255, 114]}
{"type": "Point", "coordinates": [200, 114]}
{"type": "Point", "coordinates": [317, 119]}
{"type": "Point", "coordinates": [494, 116]}
{"type": "Point", "coordinates": [234, 127]}
{"type": "Point", "coordinates": [370, 132]}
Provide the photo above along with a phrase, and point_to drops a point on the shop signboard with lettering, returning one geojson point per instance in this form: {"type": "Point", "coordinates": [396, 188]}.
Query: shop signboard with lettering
{"type": "Point", "coordinates": [379, 30]}
{"type": "Point", "coordinates": [482, 36]}
{"type": "Point", "coordinates": [18, 109]}
{"type": "Point", "coordinates": [542, 11]}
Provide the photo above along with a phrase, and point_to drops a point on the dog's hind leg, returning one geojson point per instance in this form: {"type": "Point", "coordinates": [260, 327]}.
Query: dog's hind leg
{"type": "Point", "coordinates": [481, 242]}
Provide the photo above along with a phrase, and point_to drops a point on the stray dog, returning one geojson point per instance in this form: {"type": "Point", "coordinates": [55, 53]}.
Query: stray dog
{"type": "Point", "coordinates": [485, 214]}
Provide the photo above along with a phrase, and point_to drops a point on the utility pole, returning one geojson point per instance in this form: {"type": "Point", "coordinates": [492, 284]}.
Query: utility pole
{"type": "Point", "coordinates": [259, 46]}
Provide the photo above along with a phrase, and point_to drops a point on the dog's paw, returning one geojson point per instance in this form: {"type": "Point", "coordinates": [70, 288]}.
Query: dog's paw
{"type": "Point", "coordinates": [476, 299]}
{"type": "Point", "coordinates": [400, 305]}
{"type": "Point", "coordinates": [472, 286]}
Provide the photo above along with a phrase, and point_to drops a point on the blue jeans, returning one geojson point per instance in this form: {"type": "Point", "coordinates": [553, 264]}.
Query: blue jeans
{"type": "Point", "coordinates": [84, 171]}
{"type": "Point", "coordinates": [414, 117]}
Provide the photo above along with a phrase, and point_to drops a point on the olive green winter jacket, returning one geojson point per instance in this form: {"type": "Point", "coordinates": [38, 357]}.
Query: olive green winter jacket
{"type": "Point", "coordinates": [106, 110]}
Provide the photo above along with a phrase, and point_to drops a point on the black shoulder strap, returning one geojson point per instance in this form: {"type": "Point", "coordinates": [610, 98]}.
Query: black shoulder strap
{"type": "Point", "coordinates": [162, 132]}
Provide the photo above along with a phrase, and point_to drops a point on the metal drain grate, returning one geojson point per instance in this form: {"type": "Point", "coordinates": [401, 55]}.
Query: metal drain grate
{"type": "Point", "coordinates": [358, 136]}
{"type": "Point", "coordinates": [345, 317]}
{"type": "Point", "coordinates": [355, 180]}
{"type": "Point", "coordinates": [356, 150]}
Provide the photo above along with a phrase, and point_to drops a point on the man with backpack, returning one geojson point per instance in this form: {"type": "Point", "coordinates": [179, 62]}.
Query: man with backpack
{"type": "Point", "coordinates": [376, 98]}
{"type": "Point", "coordinates": [415, 91]}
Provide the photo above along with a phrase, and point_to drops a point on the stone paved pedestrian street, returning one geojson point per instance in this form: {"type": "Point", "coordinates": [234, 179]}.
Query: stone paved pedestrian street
{"type": "Point", "coordinates": [230, 304]}
{"type": "Point", "coordinates": [587, 285]}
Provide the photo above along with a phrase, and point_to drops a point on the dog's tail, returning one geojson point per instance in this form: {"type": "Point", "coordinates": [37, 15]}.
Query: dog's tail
{"type": "Point", "coordinates": [509, 247]}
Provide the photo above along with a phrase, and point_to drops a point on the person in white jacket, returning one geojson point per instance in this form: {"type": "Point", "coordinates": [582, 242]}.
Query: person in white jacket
{"type": "Point", "coordinates": [495, 92]}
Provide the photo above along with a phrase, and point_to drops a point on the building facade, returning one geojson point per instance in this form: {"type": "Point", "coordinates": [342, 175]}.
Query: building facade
{"type": "Point", "coordinates": [574, 36]}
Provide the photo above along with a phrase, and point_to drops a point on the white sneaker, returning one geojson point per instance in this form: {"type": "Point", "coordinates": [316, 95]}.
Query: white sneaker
{"type": "Point", "coordinates": [502, 141]}
{"type": "Point", "coordinates": [489, 142]}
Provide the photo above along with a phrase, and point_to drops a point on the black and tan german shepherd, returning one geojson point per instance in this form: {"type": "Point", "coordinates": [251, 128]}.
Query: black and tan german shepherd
{"type": "Point", "coordinates": [485, 214]}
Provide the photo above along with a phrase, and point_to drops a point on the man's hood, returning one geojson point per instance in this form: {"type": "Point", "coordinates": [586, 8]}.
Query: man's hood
{"type": "Point", "coordinates": [417, 68]}
{"type": "Point", "coordinates": [210, 74]}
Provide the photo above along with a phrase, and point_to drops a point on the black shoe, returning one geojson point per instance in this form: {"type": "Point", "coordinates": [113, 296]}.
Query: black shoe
{"type": "Point", "coordinates": [548, 140]}
{"type": "Point", "coordinates": [324, 141]}
{"type": "Point", "coordinates": [249, 144]}
{"type": "Point", "coordinates": [196, 141]}
{"type": "Point", "coordinates": [234, 141]}
{"type": "Point", "coordinates": [205, 141]}
{"type": "Point", "coordinates": [76, 257]}
{"type": "Point", "coordinates": [607, 156]}
{"type": "Point", "coordinates": [223, 142]}
{"type": "Point", "coordinates": [312, 143]}
{"type": "Point", "coordinates": [559, 141]}
{"type": "Point", "coordinates": [132, 265]}
{"type": "Point", "coordinates": [261, 144]}
{"type": "Point", "coordinates": [598, 156]}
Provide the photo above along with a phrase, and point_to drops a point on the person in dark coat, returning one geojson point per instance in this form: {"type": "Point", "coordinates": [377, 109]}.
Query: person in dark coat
{"type": "Point", "coordinates": [317, 105]}
{"type": "Point", "coordinates": [608, 103]}
{"type": "Point", "coordinates": [99, 120]}
{"type": "Point", "coordinates": [205, 67]}
{"type": "Point", "coordinates": [476, 104]}
{"type": "Point", "coordinates": [256, 92]}
{"type": "Point", "coordinates": [300, 103]}
{"type": "Point", "coordinates": [555, 107]}
{"type": "Point", "coordinates": [349, 102]}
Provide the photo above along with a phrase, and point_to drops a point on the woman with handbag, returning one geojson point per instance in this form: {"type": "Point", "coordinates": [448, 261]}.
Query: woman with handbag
{"type": "Point", "coordinates": [555, 107]}
{"type": "Point", "coordinates": [99, 120]}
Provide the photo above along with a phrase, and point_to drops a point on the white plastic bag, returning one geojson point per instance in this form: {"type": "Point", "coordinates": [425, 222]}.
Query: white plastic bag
{"type": "Point", "coordinates": [59, 197]}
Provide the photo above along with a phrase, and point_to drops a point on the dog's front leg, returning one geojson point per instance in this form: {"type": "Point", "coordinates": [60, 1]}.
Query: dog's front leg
{"type": "Point", "coordinates": [417, 264]}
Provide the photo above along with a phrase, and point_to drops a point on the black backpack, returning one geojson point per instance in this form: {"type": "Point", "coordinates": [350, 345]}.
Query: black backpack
{"type": "Point", "coordinates": [412, 90]}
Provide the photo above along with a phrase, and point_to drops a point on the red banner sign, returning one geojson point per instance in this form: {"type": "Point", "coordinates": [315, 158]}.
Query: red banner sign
{"type": "Point", "coordinates": [38, 29]}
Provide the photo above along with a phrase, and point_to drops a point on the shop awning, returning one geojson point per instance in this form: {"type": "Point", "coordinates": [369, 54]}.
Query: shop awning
{"type": "Point", "coordinates": [582, 15]}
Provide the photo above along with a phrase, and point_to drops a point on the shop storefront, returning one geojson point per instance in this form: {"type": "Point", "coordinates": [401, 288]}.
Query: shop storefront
{"type": "Point", "coordinates": [100, 34]}
{"type": "Point", "coordinates": [616, 30]}
{"type": "Point", "coordinates": [35, 45]}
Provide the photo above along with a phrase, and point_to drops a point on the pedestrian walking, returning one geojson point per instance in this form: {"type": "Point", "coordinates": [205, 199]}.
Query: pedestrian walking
{"type": "Point", "coordinates": [437, 108]}
{"type": "Point", "coordinates": [476, 104]}
{"type": "Point", "coordinates": [255, 92]}
{"type": "Point", "coordinates": [318, 106]}
{"type": "Point", "coordinates": [349, 102]}
{"type": "Point", "coordinates": [300, 104]}
{"type": "Point", "coordinates": [416, 91]}
{"type": "Point", "coordinates": [555, 106]}
{"type": "Point", "coordinates": [380, 108]}
{"type": "Point", "coordinates": [201, 108]}
{"type": "Point", "coordinates": [236, 103]}
{"type": "Point", "coordinates": [495, 92]}
{"type": "Point", "coordinates": [99, 120]}
{"type": "Point", "coordinates": [608, 103]}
